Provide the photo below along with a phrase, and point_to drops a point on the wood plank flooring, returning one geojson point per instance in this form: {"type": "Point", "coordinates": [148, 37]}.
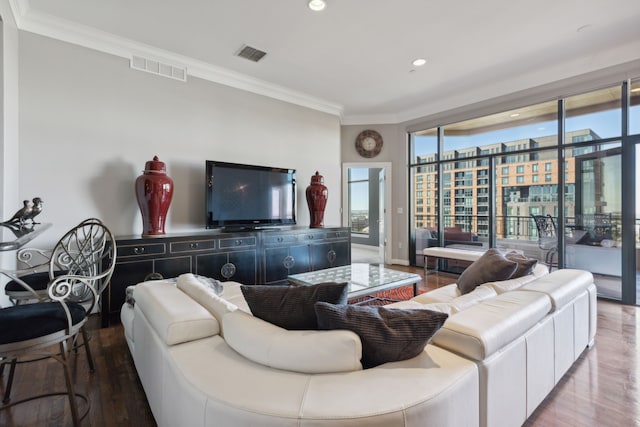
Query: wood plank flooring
{"type": "Point", "coordinates": [601, 389]}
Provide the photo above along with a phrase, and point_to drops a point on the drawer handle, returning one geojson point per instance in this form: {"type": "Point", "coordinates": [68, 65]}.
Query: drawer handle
{"type": "Point", "coordinates": [138, 251]}
{"type": "Point", "coordinates": [289, 262]}
{"type": "Point", "coordinates": [228, 270]}
{"type": "Point", "coordinates": [331, 256]}
{"type": "Point", "coordinates": [310, 236]}
{"type": "Point", "coordinates": [193, 246]}
{"type": "Point", "coordinates": [280, 239]}
{"type": "Point", "coordinates": [238, 242]}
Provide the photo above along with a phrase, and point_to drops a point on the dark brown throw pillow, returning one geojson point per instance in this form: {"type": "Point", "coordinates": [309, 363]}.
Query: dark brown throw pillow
{"type": "Point", "coordinates": [492, 266]}
{"type": "Point", "coordinates": [387, 334]}
{"type": "Point", "coordinates": [292, 307]}
{"type": "Point", "coordinates": [525, 265]}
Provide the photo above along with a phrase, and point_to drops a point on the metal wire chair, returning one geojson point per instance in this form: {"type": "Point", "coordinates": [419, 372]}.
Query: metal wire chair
{"type": "Point", "coordinates": [86, 256]}
{"type": "Point", "coordinates": [547, 238]}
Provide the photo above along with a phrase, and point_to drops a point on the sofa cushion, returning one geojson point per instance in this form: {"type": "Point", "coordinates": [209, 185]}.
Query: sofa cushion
{"type": "Point", "coordinates": [205, 296]}
{"type": "Point", "coordinates": [562, 286]}
{"type": "Point", "coordinates": [233, 294]}
{"type": "Point", "coordinates": [489, 326]}
{"type": "Point", "coordinates": [174, 316]}
{"type": "Point", "coordinates": [491, 266]}
{"type": "Point", "coordinates": [387, 334]}
{"type": "Point", "coordinates": [512, 284]}
{"type": "Point", "coordinates": [451, 294]}
{"type": "Point", "coordinates": [312, 352]}
{"type": "Point", "coordinates": [525, 265]}
{"type": "Point", "coordinates": [214, 284]}
{"type": "Point", "coordinates": [292, 307]}
{"type": "Point", "coordinates": [442, 307]}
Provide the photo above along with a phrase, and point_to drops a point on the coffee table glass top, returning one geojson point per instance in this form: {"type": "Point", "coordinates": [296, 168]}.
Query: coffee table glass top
{"type": "Point", "coordinates": [364, 279]}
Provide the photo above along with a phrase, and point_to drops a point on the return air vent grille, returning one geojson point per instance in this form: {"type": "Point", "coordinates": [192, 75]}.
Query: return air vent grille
{"type": "Point", "coordinates": [158, 67]}
{"type": "Point", "coordinates": [251, 53]}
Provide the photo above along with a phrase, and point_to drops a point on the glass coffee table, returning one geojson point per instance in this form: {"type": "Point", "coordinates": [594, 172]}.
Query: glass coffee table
{"type": "Point", "coordinates": [364, 279]}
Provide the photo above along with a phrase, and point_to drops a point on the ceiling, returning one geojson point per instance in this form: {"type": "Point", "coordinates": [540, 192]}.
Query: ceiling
{"type": "Point", "coordinates": [354, 59]}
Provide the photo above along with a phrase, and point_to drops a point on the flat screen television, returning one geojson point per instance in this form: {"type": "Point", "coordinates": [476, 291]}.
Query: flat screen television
{"type": "Point", "coordinates": [247, 196]}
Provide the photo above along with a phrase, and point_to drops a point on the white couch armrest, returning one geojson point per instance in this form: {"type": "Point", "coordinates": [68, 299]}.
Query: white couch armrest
{"type": "Point", "coordinates": [174, 316]}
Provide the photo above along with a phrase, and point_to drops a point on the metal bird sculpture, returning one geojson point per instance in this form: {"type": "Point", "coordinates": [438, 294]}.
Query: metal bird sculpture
{"type": "Point", "coordinates": [35, 209]}
{"type": "Point", "coordinates": [22, 215]}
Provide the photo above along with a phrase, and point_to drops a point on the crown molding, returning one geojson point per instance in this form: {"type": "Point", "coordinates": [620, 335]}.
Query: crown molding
{"type": "Point", "coordinates": [19, 8]}
{"type": "Point", "coordinates": [372, 119]}
{"type": "Point", "coordinates": [81, 35]}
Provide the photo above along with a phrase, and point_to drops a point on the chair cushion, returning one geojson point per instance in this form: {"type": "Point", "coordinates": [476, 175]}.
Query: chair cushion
{"type": "Point", "coordinates": [292, 307]}
{"type": "Point", "coordinates": [387, 334]}
{"type": "Point", "coordinates": [37, 281]}
{"type": "Point", "coordinates": [28, 321]}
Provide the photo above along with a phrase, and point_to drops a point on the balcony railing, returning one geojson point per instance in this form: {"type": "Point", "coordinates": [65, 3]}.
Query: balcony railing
{"type": "Point", "coordinates": [518, 227]}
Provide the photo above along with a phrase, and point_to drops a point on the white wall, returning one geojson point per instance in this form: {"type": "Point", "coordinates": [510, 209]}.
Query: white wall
{"type": "Point", "coordinates": [394, 150]}
{"type": "Point", "coordinates": [8, 112]}
{"type": "Point", "coordinates": [8, 127]}
{"type": "Point", "coordinates": [88, 124]}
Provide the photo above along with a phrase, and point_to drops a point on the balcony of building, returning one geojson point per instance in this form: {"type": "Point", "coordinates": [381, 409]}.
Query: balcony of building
{"type": "Point", "coordinates": [591, 242]}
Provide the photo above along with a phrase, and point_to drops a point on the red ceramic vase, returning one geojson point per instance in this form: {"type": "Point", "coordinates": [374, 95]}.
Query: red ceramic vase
{"type": "Point", "coordinates": [154, 190]}
{"type": "Point", "coordinates": [317, 195]}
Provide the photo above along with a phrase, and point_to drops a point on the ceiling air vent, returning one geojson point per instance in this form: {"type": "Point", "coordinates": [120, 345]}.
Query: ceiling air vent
{"type": "Point", "coordinates": [159, 67]}
{"type": "Point", "coordinates": [250, 53]}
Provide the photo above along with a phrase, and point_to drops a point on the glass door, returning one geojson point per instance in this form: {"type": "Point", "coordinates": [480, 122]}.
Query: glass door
{"type": "Point", "coordinates": [366, 209]}
{"type": "Point", "coordinates": [595, 242]}
{"type": "Point", "coordinates": [637, 225]}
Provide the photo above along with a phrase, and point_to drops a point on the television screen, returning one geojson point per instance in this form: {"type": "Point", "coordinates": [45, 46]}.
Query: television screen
{"type": "Point", "coordinates": [239, 196]}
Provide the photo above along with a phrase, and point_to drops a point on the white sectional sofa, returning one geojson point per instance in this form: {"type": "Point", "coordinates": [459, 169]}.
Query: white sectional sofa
{"type": "Point", "coordinates": [203, 361]}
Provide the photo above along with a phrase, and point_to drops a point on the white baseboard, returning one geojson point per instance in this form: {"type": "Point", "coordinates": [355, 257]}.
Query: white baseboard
{"type": "Point", "coordinates": [361, 246]}
{"type": "Point", "coordinates": [400, 261]}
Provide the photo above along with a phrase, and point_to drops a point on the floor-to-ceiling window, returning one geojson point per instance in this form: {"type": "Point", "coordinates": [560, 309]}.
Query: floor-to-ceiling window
{"type": "Point", "coordinates": [593, 227]}
{"type": "Point", "coordinates": [424, 189]}
{"type": "Point", "coordinates": [559, 160]}
{"type": "Point", "coordinates": [634, 129]}
{"type": "Point", "coordinates": [637, 222]}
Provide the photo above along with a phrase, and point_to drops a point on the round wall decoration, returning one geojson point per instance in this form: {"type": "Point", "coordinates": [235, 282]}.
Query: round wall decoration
{"type": "Point", "coordinates": [368, 143]}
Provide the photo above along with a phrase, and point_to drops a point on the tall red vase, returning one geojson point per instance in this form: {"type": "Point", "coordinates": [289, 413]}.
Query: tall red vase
{"type": "Point", "coordinates": [317, 195]}
{"type": "Point", "coordinates": [154, 190]}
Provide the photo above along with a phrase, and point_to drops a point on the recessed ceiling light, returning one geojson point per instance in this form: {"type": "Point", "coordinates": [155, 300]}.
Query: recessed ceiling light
{"type": "Point", "coordinates": [317, 5]}
{"type": "Point", "coordinates": [419, 62]}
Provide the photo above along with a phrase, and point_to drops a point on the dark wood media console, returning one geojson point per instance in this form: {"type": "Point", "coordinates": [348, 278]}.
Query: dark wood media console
{"type": "Point", "coordinates": [266, 256]}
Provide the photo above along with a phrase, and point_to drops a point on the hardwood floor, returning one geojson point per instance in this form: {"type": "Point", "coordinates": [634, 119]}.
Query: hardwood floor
{"type": "Point", "coordinates": [601, 388]}
{"type": "Point", "coordinates": [114, 391]}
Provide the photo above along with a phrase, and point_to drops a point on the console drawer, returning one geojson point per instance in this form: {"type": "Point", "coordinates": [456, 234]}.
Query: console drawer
{"type": "Point", "coordinates": [313, 236]}
{"type": "Point", "coordinates": [271, 240]}
{"type": "Point", "coordinates": [336, 234]}
{"type": "Point", "coordinates": [192, 245]}
{"type": "Point", "coordinates": [237, 242]}
{"type": "Point", "coordinates": [141, 250]}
